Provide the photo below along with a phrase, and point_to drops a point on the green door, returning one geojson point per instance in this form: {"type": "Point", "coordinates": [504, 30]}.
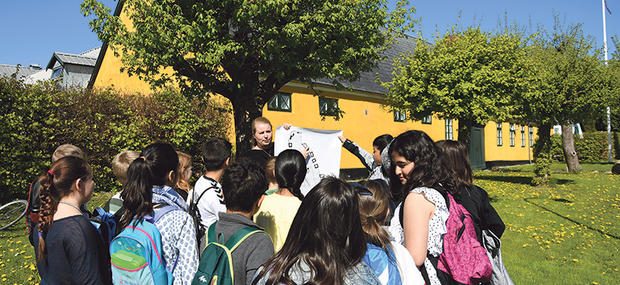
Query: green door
{"type": "Point", "coordinates": [476, 148]}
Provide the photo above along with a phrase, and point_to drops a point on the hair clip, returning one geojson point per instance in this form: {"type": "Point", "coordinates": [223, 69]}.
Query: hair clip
{"type": "Point", "coordinates": [361, 189]}
{"type": "Point", "coordinates": [50, 172]}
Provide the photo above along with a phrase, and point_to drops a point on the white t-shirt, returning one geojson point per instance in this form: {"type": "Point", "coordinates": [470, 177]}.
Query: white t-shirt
{"type": "Point", "coordinates": [211, 203]}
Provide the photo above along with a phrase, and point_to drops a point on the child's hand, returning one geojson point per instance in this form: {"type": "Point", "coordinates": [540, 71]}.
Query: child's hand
{"type": "Point", "coordinates": [287, 126]}
{"type": "Point", "coordinates": [305, 152]}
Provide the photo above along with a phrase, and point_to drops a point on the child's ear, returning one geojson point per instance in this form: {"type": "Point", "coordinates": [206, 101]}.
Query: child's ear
{"type": "Point", "coordinates": [227, 162]}
{"type": "Point", "coordinates": [171, 178]}
{"type": "Point", "coordinates": [79, 184]}
{"type": "Point", "coordinates": [260, 201]}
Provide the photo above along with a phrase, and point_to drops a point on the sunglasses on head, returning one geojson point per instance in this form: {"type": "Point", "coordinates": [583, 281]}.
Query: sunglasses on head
{"type": "Point", "coordinates": [361, 189]}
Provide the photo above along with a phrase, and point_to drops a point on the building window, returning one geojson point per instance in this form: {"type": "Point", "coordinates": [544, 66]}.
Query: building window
{"type": "Point", "coordinates": [400, 115]}
{"type": "Point", "coordinates": [499, 134]}
{"type": "Point", "coordinates": [328, 106]}
{"type": "Point", "coordinates": [427, 120]}
{"type": "Point", "coordinates": [280, 102]}
{"type": "Point", "coordinates": [512, 134]}
{"type": "Point", "coordinates": [522, 136]}
{"type": "Point", "coordinates": [531, 133]}
{"type": "Point", "coordinates": [57, 73]}
{"type": "Point", "coordinates": [449, 130]}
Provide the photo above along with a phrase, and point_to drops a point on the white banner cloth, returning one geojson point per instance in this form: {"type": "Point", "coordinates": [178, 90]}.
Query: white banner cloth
{"type": "Point", "coordinates": [324, 154]}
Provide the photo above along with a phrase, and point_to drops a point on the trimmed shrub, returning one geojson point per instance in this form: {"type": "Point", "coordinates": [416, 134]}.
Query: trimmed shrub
{"type": "Point", "coordinates": [591, 148]}
{"type": "Point", "coordinates": [35, 119]}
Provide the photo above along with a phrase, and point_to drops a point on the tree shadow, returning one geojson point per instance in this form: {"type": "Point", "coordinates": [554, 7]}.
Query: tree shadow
{"type": "Point", "coordinates": [527, 200]}
{"type": "Point", "coordinates": [509, 179]}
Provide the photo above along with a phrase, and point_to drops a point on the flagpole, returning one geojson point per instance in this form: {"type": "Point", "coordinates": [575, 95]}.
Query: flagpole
{"type": "Point", "coordinates": [608, 109]}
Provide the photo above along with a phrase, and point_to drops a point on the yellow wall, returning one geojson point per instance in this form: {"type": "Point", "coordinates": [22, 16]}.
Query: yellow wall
{"type": "Point", "coordinates": [506, 152]}
{"type": "Point", "coordinates": [362, 121]}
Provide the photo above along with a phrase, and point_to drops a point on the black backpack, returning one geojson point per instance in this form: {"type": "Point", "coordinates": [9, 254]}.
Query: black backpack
{"type": "Point", "coordinates": [195, 213]}
{"type": "Point", "coordinates": [32, 209]}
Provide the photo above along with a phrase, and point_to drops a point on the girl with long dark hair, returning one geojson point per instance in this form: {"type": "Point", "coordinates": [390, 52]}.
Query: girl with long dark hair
{"type": "Point", "coordinates": [277, 211]}
{"type": "Point", "coordinates": [150, 179]}
{"type": "Point", "coordinates": [455, 156]}
{"type": "Point", "coordinates": [69, 248]}
{"type": "Point", "coordinates": [419, 222]}
{"type": "Point", "coordinates": [325, 244]}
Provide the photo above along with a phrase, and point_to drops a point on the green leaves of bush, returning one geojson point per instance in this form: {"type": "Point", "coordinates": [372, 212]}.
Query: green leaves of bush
{"type": "Point", "coordinates": [36, 119]}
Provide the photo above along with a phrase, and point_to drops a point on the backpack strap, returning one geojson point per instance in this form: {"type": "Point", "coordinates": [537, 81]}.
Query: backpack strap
{"type": "Point", "coordinates": [211, 233]}
{"type": "Point", "coordinates": [239, 236]}
{"type": "Point", "coordinates": [159, 212]}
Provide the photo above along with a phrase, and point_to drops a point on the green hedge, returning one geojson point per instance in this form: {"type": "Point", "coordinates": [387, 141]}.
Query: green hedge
{"type": "Point", "coordinates": [35, 119]}
{"type": "Point", "coordinates": [591, 148]}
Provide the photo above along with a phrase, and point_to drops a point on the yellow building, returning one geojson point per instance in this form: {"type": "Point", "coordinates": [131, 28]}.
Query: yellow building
{"type": "Point", "coordinates": [364, 115]}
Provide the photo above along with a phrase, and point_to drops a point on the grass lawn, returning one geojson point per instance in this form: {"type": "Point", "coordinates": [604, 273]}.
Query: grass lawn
{"type": "Point", "coordinates": [564, 233]}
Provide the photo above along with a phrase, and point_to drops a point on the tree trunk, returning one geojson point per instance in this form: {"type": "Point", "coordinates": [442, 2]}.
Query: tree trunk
{"type": "Point", "coordinates": [245, 110]}
{"type": "Point", "coordinates": [568, 145]}
{"type": "Point", "coordinates": [465, 127]}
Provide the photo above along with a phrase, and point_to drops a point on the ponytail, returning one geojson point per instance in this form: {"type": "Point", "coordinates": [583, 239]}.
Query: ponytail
{"type": "Point", "coordinates": [148, 170]}
{"type": "Point", "coordinates": [137, 195]}
{"type": "Point", "coordinates": [291, 171]}
{"type": "Point", "coordinates": [57, 183]}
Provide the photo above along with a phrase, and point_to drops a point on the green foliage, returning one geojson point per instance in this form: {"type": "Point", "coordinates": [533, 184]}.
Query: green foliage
{"type": "Point", "coordinates": [542, 169]}
{"type": "Point", "coordinates": [36, 119]}
{"type": "Point", "coordinates": [565, 76]}
{"type": "Point", "coordinates": [466, 75]}
{"type": "Point", "coordinates": [247, 50]}
{"type": "Point", "coordinates": [591, 148]}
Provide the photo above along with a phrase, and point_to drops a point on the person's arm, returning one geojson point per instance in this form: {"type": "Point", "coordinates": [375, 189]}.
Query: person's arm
{"type": "Point", "coordinates": [418, 212]}
{"type": "Point", "coordinates": [364, 156]}
{"type": "Point", "coordinates": [490, 219]}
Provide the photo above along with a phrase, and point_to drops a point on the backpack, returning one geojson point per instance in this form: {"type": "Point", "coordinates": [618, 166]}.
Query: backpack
{"type": "Point", "coordinates": [463, 257]}
{"type": "Point", "coordinates": [105, 223]}
{"type": "Point", "coordinates": [136, 252]}
{"type": "Point", "coordinates": [216, 265]}
{"type": "Point", "coordinates": [195, 213]}
{"type": "Point", "coordinates": [33, 207]}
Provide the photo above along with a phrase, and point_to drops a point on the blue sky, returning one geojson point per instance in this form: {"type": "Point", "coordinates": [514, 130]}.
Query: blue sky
{"type": "Point", "coordinates": [31, 30]}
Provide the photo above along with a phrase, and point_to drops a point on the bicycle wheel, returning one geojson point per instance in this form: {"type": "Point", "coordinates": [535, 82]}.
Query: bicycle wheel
{"type": "Point", "coordinates": [11, 213]}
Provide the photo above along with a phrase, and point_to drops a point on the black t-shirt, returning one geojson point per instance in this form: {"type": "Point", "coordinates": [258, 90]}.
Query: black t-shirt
{"type": "Point", "coordinates": [260, 156]}
{"type": "Point", "coordinates": [476, 201]}
{"type": "Point", "coordinates": [75, 254]}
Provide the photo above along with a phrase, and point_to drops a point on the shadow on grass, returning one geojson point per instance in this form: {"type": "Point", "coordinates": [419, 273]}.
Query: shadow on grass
{"type": "Point", "coordinates": [527, 200]}
{"type": "Point", "coordinates": [510, 179]}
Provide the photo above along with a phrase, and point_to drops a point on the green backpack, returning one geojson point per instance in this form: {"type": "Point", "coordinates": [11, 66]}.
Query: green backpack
{"type": "Point", "coordinates": [216, 265]}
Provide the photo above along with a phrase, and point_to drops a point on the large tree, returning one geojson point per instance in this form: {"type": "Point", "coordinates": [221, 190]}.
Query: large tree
{"type": "Point", "coordinates": [567, 85]}
{"type": "Point", "coordinates": [247, 50]}
{"type": "Point", "coordinates": [467, 75]}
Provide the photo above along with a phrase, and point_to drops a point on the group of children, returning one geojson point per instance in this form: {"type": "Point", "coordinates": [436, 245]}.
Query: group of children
{"type": "Point", "coordinates": [386, 229]}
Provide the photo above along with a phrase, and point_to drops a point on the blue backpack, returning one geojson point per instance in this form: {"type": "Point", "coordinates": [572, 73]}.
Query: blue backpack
{"type": "Point", "coordinates": [136, 252]}
{"type": "Point", "coordinates": [105, 223]}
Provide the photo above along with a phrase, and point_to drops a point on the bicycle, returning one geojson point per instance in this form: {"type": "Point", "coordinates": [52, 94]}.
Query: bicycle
{"type": "Point", "coordinates": [11, 212]}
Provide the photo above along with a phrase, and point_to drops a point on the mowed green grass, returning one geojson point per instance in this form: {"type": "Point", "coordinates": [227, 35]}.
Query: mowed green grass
{"type": "Point", "coordinates": [564, 233]}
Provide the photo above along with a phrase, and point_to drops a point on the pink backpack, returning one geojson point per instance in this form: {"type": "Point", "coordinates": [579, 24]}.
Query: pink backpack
{"type": "Point", "coordinates": [463, 257]}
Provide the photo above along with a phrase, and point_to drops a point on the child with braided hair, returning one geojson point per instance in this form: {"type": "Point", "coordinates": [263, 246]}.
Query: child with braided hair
{"type": "Point", "coordinates": [69, 249]}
